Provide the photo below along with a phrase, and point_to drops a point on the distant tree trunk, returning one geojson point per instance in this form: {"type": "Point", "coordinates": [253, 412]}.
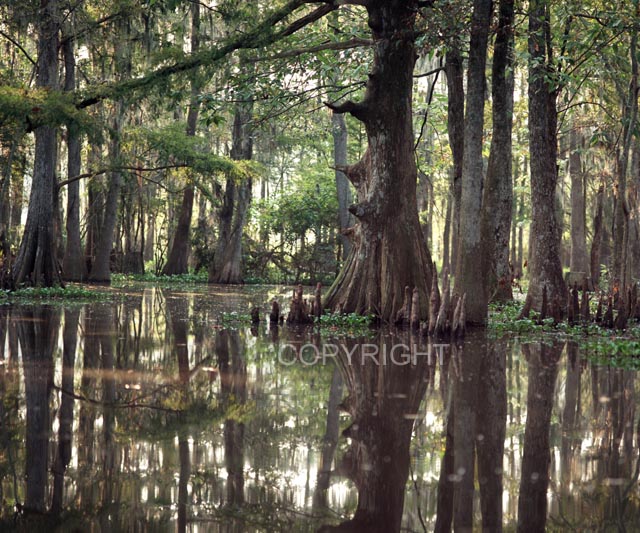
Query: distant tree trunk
{"type": "Point", "coordinates": [579, 260]}
{"type": "Point", "coordinates": [227, 261]}
{"type": "Point", "coordinates": [101, 268]}
{"type": "Point", "coordinates": [389, 251]}
{"type": "Point", "coordinates": [17, 198]}
{"type": "Point", "coordinates": [339, 131]}
{"type": "Point", "coordinates": [74, 267]}
{"type": "Point", "coordinates": [150, 228]}
{"type": "Point", "coordinates": [455, 128]}
{"type": "Point", "coordinates": [446, 236]}
{"type": "Point", "coordinates": [470, 244]}
{"type": "Point", "coordinates": [178, 260]}
{"type": "Point", "coordinates": [545, 270]}
{"type": "Point", "coordinates": [36, 260]}
{"type": "Point", "coordinates": [498, 191]}
{"type": "Point", "coordinates": [621, 213]}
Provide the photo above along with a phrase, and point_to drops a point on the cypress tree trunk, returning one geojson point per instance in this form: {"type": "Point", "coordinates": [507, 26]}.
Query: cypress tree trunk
{"type": "Point", "coordinates": [36, 262]}
{"type": "Point", "coordinates": [74, 267]}
{"type": "Point", "coordinates": [545, 270]}
{"type": "Point", "coordinates": [446, 237]}
{"type": "Point", "coordinates": [388, 252]}
{"type": "Point", "coordinates": [227, 262]}
{"type": "Point", "coordinates": [455, 129]}
{"type": "Point", "coordinates": [101, 268]}
{"type": "Point", "coordinates": [498, 191]}
{"type": "Point", "coordinates": [178, 260]}
{"type": "Point", "coordinates": [470, 245]}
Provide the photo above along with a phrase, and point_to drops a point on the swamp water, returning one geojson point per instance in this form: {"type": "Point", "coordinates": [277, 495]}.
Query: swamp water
{"type": "Point", "coordinates": [149, 413]}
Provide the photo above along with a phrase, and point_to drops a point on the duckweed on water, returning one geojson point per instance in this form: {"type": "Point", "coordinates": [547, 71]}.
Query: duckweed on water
{"type": "Point", "coordinates": [54, 294]}
{"type": "Point", "coordinates": [603, 346]}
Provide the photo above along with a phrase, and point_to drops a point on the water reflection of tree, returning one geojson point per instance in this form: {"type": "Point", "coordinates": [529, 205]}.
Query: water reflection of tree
{"type": "Point", "coordinates": [383, 401]}
{"type": "Point", "coordinates": [37, 332]}
{"type": "Point", "coordinates": [542, 360]}
{"type": "Point", "coordinates": [329, 441]}
{"type": "Point", "coordinates": [475, 432]}
{"type": "Point", "coordinates": [178, 311]}
{"type": "Point", "coordinates": [65, 413]}
{"type": "Point", "coordinates": [233, 395]}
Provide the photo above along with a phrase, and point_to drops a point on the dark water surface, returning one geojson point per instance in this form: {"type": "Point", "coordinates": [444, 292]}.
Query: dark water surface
{"type": "Point", "coordinates": [152, 415]}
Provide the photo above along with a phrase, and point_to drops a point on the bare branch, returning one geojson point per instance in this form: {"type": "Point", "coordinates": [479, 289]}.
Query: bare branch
{"type": "Point", "coordinates": [97, 173]}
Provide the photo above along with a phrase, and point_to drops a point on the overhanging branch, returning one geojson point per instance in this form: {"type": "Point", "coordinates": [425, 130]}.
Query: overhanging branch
{"type": "Point", "coordinates": [345, 45]}
{"type": "Point", "coordinates": [260, 36]}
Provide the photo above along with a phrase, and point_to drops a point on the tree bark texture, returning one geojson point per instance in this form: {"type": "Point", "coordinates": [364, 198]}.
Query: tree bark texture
{"type": "Point", "coordinates": [36, 262]}
{"type": "Point", "coordinates": [455, 129]}
{"type": "Point", "coordinates": [226, 266]}
{"type": "Point", "coordinates": [388, 252]}
{"type": "Point", "coordinates": [470, 244]}
{"type": "Point", "coordinates": [498, 191]}
{"type": "Point", "coordinates": [545, 269]}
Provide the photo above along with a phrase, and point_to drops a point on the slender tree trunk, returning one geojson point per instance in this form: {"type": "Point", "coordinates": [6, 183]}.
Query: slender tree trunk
{"type": "Point", "coordinates": [17, 199]}
{"type": "Point", "coordinates": [389, 252]}
{"type": "Point", "coordinates": [150, 228]}
{"type": "Point", "coordinates": [227, 262]}
{"type": "Point", "coordinates": [339, 131]}
{"type": "Point", "coordinates": [621, 214]}
{"type": "Point", "coordinates": [470, 245]}
{"type": "Point", "coordinates": [36, 262]}
{"type": "Point", "coordinates": [74, 267]}
{"type": "Point", "coordinates": [178, 261]}
{"type": "Point", "coordinates": [545, 269]}
{"type": "Point", "coordinates": [455, 128]}
{"type": "Point", "coordinates": [446, 236]}
{"type": "Point", "coordinates": [579, 259]}
{"type": "Point", "coordinates": [498, 191]}
{"type": "Point", "coordinates": [101, 268]}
